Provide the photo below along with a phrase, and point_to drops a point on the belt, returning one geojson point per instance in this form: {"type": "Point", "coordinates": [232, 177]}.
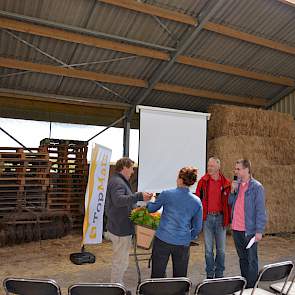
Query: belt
{"type": "Point", "coordinates": [214, 213]}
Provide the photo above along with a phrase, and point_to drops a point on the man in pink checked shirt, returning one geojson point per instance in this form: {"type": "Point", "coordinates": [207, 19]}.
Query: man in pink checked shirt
{"type": "Point", "coordinates": [248, 218]}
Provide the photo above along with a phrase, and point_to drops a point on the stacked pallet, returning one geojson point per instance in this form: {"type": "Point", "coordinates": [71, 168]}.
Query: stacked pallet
{"type": "Point", "coordinates": [68, 176]}
{"type": "Point", "coordinates": [23, 179]}
{"type": "Point", "coordinates": [267, 138]}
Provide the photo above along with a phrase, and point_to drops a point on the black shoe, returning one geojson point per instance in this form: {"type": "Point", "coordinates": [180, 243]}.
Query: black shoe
{"type": "Point", "coordinates": [209, 278]}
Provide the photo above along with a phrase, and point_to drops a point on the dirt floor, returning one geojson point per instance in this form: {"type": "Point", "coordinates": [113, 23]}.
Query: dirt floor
{"type": "Point", "coordinates": [50, 259]}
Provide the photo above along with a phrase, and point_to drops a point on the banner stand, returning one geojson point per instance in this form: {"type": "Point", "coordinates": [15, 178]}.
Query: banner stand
{"type": "Point", "coordinates": [94, 203]}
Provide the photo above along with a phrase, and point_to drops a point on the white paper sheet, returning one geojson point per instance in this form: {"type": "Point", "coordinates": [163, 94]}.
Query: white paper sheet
{"type": "Point", "coordinates": [251, 242]}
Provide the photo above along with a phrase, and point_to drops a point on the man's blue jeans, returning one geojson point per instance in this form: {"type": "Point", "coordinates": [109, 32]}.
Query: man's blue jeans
{"type": "Point", "coordinates": [214, 233]}
{"type": "Point", "coordinates": [248, 257]}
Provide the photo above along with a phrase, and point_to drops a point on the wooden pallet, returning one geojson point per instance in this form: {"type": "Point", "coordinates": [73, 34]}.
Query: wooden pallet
{"type": "Point", "coordinates": [24, 178]}
{"type": "Point", "coordinates": [68, 175]}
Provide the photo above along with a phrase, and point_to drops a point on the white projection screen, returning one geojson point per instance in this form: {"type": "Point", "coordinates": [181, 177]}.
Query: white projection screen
{"type": "Point", "coordinates": [169, 140]}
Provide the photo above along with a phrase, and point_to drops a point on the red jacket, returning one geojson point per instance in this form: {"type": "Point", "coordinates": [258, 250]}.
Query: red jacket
{"type": "Point", "coordinates": [202, 193]}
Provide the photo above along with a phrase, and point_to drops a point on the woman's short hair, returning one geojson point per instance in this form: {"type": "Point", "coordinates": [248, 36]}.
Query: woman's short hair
{"type": "Point", "coordinates": [123, 162]}
{"type": "Point", "coordinates": [188, 175]}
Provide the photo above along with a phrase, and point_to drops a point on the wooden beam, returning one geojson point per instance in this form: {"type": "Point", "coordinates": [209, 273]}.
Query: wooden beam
{"type": "Point", "coordinates": [86, 75]}
{"type": "Point", "coordinates": [6, 23]}
{"type": "Point", "coordinates": [234, 71]}
{"type": "Point", "coordinates": [18, 102]}
{"type": "Point", "coordinates": [137, 50]}
{"type": "Point", "coordinates": [45, 97]}
{"type": "Point", "coordinates": [12, 107]}
{"type": "Point", "coordinates": [226, 31]}
{"type": "Point", "coordinates": [68, 72]}
{"type": "Point", "coordinates": [185, 19]}
{"type": "Point", "coordinates": [153, 10]}
{"type": "Point", "coordinates": [254, 101]}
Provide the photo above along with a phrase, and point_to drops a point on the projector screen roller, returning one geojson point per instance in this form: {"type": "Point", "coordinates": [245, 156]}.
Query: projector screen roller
{"type": "Point", "coordinates": [169, 140]}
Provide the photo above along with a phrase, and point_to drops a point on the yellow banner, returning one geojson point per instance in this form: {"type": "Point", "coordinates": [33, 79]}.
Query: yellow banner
{"type": "Point", "coordinates": [95, 194]}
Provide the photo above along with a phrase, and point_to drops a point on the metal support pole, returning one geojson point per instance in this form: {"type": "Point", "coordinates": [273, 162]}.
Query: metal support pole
{"type": "Point", "coordinates": [126, 138]}
{"type": "Point", "coordinates": [111, 125]}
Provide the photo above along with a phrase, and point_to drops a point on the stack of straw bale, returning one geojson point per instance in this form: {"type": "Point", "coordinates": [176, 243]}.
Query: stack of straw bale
{"type": "Point", "coordinates": [267, 138]}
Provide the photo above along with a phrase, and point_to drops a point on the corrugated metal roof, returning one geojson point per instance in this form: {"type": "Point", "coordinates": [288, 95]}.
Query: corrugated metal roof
{"type": "Point", "coordinates": [234, 52]}
{"type": "Point", "coordinates": [70, 87]}
{"type": "Point", "coordinates": [11, 47]}
{"type": "Point", "coordinates": [204, 79]}
{"type": "Point", "coordinates": [116, 63]}
{"type": "Point", "coordinates": [189, 7]}
{"type": "Point", "coordinates": [105, 61]}
{"type": "Point", "coordinates": [83, 88]}
{"type": "Point", "coordinates": [265, 18]}
{"type": "Point", "coordinates": [130, 24]}
{"type": "Point", "coordinates": [29, 81]}
{"type": "Point", "coordinates": [73, 12]}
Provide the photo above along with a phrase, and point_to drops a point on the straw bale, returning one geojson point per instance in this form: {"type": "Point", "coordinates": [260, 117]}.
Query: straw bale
{"type": "Point", "coordinates": [235, 121]}
{"type": "Point", "coordinates": [280, 196]}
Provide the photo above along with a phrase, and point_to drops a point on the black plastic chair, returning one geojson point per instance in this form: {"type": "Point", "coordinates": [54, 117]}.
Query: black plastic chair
{"type": "Point", "coordinates": [164, 286]}
{"type": "Point", "coordinates": [97, 289]}
{"type": "Point", "coordinates": [289, 287]}
{"type": "Point", "coordinates": [221, 286]}
{"type": "Point", "coordinates": [23, 286]}
{"type": "Point", "coordinates": [271, 273]}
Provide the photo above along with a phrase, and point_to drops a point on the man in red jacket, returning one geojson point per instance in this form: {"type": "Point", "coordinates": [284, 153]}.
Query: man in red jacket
{"type": "Point", "coordinates": [214, 189]}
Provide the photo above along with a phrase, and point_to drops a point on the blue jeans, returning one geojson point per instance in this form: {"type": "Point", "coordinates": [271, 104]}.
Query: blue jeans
{"type": "Point", "coordinates": [214, 231]}
{"type": "Point", "coordinates": [248, 257]}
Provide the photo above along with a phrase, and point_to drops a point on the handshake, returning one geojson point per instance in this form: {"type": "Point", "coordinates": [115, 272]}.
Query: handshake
{"type": "Point", "coordinates": [147, 196]}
